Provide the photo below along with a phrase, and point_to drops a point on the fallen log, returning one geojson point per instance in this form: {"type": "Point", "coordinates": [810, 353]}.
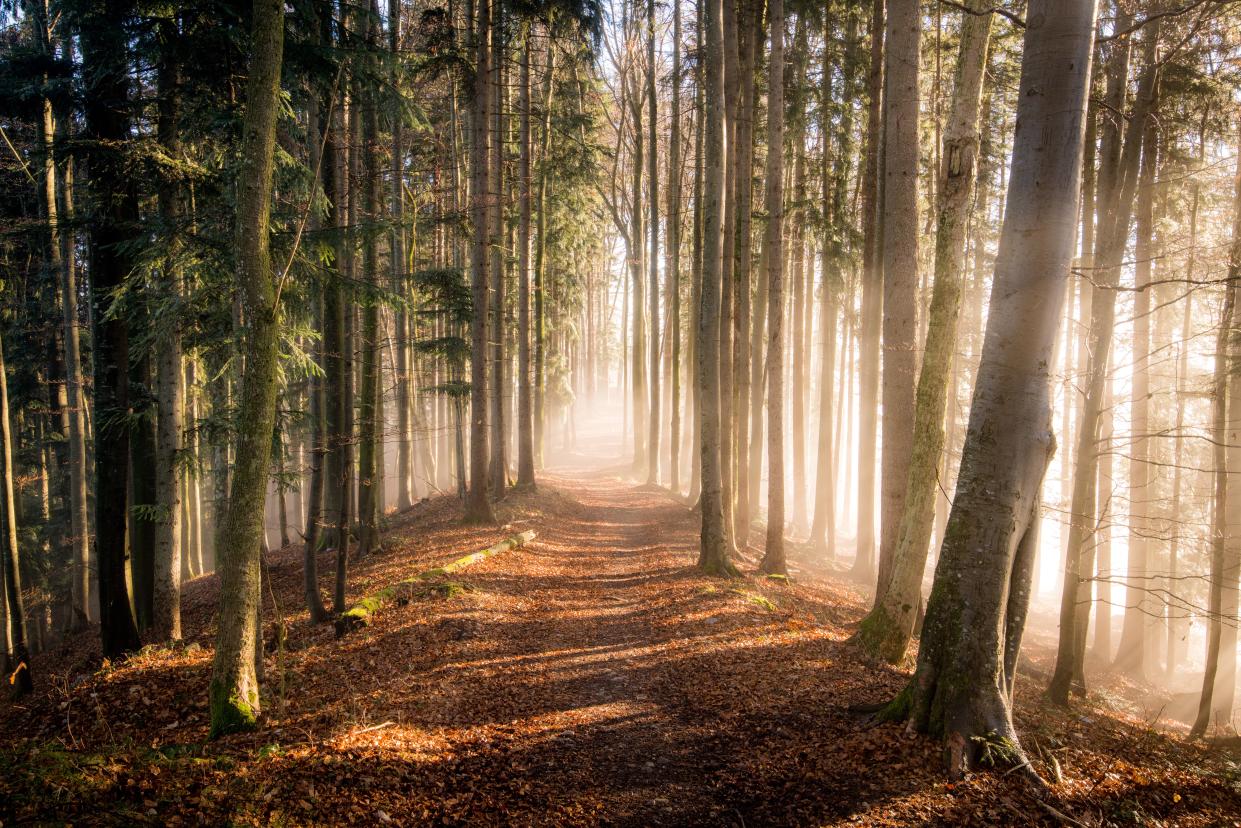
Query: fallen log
{"type": "Point", "coordinates": [359, 615]}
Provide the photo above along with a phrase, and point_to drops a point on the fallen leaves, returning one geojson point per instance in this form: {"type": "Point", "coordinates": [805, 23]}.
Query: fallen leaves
{"type": "Point", "coordinates": [591, 677]}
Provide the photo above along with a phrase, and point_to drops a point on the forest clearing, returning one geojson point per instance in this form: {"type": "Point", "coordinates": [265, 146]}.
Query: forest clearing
{"type": "Point", "coordinates": [583, 412]}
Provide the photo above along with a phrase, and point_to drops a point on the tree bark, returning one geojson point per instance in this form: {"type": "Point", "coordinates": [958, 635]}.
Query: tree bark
{"type": "Point", "coordinates": [525, 411]}
{"type": "Point", "coordinates": [713, 554]}
{"type": "Point", "coordinates": [872, 307]}
{"type": "Point", "coordinates": [478, 504]}
{"type": "Point", "coordinates": [900, 267]}
{"type": "Point", "coordinates": [18, 651]}
{"type": "Point", "coordinates": [1118, 183]}
{"type": "Point", "coordinates": [773, 558]}
{"type": "Point", "coordinates": [234, 692]}
{"type": "Point", "coordinates": [107, 118]}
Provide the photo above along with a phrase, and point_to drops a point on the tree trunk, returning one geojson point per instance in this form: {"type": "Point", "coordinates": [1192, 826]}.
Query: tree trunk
{"type": "Point", "coordinates": [773, 558]}
{"type": "Point", "coordinates": [18, 667]}
{"type": "Point", "coordinates": [498, 464]}
{"type": "Point", "coordinates": [478, 504]}
{"type": "Point", "coordinates": [962, 687]}
{"type": "Point", "coordinates": [107, 118]}
{"type": "Point", "coordinates": [167, 605]}
{"type": "Point", "coordinates": [750, 39]}
{"type": "Point", "coordinates": [1140, 611]}
{"type": "Point", "coordinates": [1118, 183]}
{"type": "Point", "coordinates": [713, 554]}
{"type": "Point", "coordinates": [234, 694]}
{"type": "Point", "coordinates": [672, 245]}
{"type": "Point", "coordinates": [887, 629]}
{"type": "Point", "coordinates": [900, 268]}
{"type": "Point", "coordinates": [370, 411]}
{"type": "Point", "coordinates": [872, 307]}
{"type": "Point", "coordinates": [525, 411]}
{"type": "Point", "coordinates": [652, 176]}
{"type": "Point", "coordinates": [1219, 679]}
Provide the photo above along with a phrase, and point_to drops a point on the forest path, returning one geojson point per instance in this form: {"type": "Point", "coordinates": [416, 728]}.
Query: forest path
{"type": "Point", "coordinates": [591, 677]}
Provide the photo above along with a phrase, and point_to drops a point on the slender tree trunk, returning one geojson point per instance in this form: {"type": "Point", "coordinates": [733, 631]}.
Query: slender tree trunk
{"type": "Point", "coordinates": [170, 424]}
{"type": "Point", "coordinates": [498, 465]}
{"type": "Point", "coordinates": [713, 555]}
{"type": "Point", "coordinates": [478, 504]}
{"type": "Point", "coordinates": [525, 412]}
{"type": "Point", "coordinates": [872, 307]}
{"type": "Point", "coordinates": [773, 559]}
{"type": "Point", "coordinates": [1219, 679]}
{"type": "Point", "coordinates": [900, 268]}
{"type": "Point", "coordinates": [750, 38]}
{"type": "Point", "coordinates": [234, 693]}
{"type": "Point", "coordinates": [672, 245]}
{"type": "Point", "coordinates": [370, 409]}
{"type": "Point", "coordinates": [1116, 201]}
{"type": "Point", "coordinates": [652, 175]}
{"type": "Point", "coordinates": [18, 667]}
{"type": "Point", "coordinates": [1140, 611]}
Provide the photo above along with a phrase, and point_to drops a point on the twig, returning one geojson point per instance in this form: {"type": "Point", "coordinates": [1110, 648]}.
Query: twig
{"type": "Point", "coordinates": [371, 728]}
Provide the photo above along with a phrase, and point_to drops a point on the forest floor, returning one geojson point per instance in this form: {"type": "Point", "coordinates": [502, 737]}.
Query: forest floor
{"type": "Point", "coordinates": [592, 676]}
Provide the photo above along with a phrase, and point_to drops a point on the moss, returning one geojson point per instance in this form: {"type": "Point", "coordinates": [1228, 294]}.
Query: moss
{"type": "Point", "coordinates": [992, 750]}
{"type": "Point", "coordinates": [879, 637]}
{"type": "Point", "coordinates": [230, 713]}
{"type": "Point", "coordinates": [899, 708]}
{"type": "Point", "coordinates": [448, 589]}
{"type": "Point", "coordinates": [757, 600]}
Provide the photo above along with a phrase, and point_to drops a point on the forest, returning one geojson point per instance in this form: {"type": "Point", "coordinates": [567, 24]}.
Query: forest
{"type": "Point", "coordinates": [620, 412]}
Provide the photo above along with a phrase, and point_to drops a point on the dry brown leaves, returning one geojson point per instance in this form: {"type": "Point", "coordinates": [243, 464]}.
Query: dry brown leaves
{"type": "Point", "coordinates": [592, 677]}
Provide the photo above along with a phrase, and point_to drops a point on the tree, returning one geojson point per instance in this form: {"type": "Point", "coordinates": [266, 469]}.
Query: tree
{"type": "Point", "coordinates": [1219, 677]}
{"type": "Point", "coordinates": [961, 689]}
{"type": "Point", "coordinates": [652, 166]}
{"type": "Point", "coordinates": [713, 555]}
{"type": "Point", "coordinates": [111, 226]}
{"type": "Point", "coordinates": [234, 692]}
{"type": "Point", "coordinates": [171, 395]}
{"type": "Point", "coordinates": [1117, 185]}
{"type": "Point", "coordinates": [773, 558]}
{"type": "Point", "coordinates": [900, 266]}
{"type": "Point", "coordinates": [872, 305]}
{"type": "Point", "coordinates": [525, 411]}
{"type": "Point", "coordinates": [478, 505]}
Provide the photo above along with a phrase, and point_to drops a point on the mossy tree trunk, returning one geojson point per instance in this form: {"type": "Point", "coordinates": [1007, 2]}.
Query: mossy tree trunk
{"type": "Point", "coordinates": [234, 692]}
